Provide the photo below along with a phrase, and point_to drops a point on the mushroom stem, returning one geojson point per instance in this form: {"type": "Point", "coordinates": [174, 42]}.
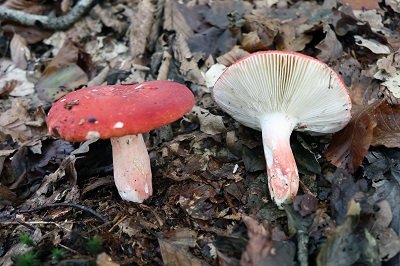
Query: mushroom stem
{"type": "Point", "coordinates": [132, 171]}
{"type": "Point", "coordinates": [283, 177]}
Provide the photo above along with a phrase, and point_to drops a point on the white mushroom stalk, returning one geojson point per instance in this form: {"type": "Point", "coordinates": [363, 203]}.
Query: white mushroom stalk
{"type": "Point", "coordinates": [277, 92]}
{"type": "Point", "coordinates": [132, 171]}
{"type": "Point", "coordinates": [283, 178]}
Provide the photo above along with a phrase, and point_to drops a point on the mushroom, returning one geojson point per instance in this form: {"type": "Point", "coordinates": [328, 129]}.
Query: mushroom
{"type": "Point", "coordinates": [277, 92]}
{"type": "Point", "coordinates": [121, 113]}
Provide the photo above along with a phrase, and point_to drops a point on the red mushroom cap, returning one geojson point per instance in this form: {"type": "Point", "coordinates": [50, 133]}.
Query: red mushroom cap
{"type": "Point", "coordinates": [118, 110]}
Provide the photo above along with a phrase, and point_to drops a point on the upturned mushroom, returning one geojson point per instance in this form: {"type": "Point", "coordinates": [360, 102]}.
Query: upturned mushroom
{"type": "Point", "coordinates": [277, 92]}
{"type": "Point", "coordinates": [121, 113]}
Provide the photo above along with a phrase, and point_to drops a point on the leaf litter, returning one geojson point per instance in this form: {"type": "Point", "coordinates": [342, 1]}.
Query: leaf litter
{"type": "Point", "coordinates": [211, 203]}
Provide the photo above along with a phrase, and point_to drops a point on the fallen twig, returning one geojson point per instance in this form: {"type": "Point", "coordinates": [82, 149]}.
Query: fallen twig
{"type": "Point", "coordinates": [72, 205]}
{"type": "Point", "coordinates": [48, 22]}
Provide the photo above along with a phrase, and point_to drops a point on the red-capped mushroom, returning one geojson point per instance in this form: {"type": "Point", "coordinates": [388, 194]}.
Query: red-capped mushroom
{"type": "Point", "coordinates": [121, 113]}
{"type": "Point", "coordinates": [276, 92]}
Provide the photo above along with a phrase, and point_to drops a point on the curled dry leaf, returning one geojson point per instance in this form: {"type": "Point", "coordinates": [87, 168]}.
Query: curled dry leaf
{"type": "Point", "coordinates": [262, 31]}
{"type": "Point", "coordinates": [56, 40]}
{"type": "Point", "coordinates": [362, 4]}
{"type": "Point", "coordinates": [13, 80]}
{"type": "Point", "coordinates": [305, 204]}
{"type": "Point", "coordinates": [103, 259]}
{"type": "Point", "coordinates": [350, 145]}
{"type": "Point", "coordinates": [194, 200]}
{"type": "Point", "coordinates": [389, 64]}
{"type": "Point", "coordinates": [22, 124]}
{"type": "Point", "coordinates": [349, 243]}
{"type": "Point", "coordinates": [67, 189]}
{"type": "Point", "coordinates": [387, 131]}
{"type": "Point", "coordinates": [32, 7]}
{"type": "Point", "coordinates": [373, 17]}
{"type": "Point", "coordinates": [7, 196]}
{"type": "Point", "coordinates": [394, 4]}
{"type": "Point", "coordinates": [174, 246]}
{"type": "Point", "coordinates": [389, 241]}
{"type": "Point", "coordinates": [373, 45]}
{"type": "Point", "coordinates": [141, 24]}
{"type": "Point", "coordinates": [20, 52]}
{"type": "Point", "coordinates": [175, 20]}
{"type": "Point", "coordinates": [56, 84]}
{"type": "Point", "coordinates": [209, 123]}
{"type": "Point", "coordinates": [291, 39]}
{"type": "Point", "coordinates": [391, 81]}
{"type": "Point", "coordinates": [330, 47]}
{"type": "Point", "coordinates": [232, 56]}
{"type": "Point", "coordinates": [109, 17]}
{"type": "Point", "coordinates": [262, 249]}
{"type": "Point", "coordinates": [375, 124]}
{"type": "Point", "coordinates": [62, 75]}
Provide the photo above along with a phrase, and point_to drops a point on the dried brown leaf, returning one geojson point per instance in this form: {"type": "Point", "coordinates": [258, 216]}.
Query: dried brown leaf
{"type": "Point", "coordinates": [373, 17]}
{"type": "Point", "coordinates": [362, 4]}
{"type": "Point", "coordinates": [374, 124]}
{"type": "Point", "coordinates": [289, 39]}
{"type": "Point", "coordinates": [6, 195]}
{"type": "Point", "coordinates": [262, 249]}
{"type": "Point", "coordinates": [98, 182]}
{"type": "Point", "coordinates": [174, 20]}
{"type": "Point", "coordinates": [13, 80]}
{"type": "Point", "coordinates": [68, 54]}
{"type": "Point", "coordinates": [188, 64]}
{"type": "Point", "coordinates": [387, 131]}
{"type": "Point", "coordinates": [194, 200]}
{"type": "Point", "coordinates": [388, 63]}
{"type": "Point", "coordinates": [58, 83]}
{"type": "Point", "coordinates": [251, 42]}
{"type": "Point", "coordinates": [364, 90]}
{"type": "Point", "coordinates": [164, 68]}
{"type": "Point", "coordinates": [262, 31]}
{"type": "Point", "coordinates": [62, 75]}
{"type": "Point", "coordinates": [349, 244]}
{"type": "Point", "coordinates": [22, 124]}
{"type": "Point", "coordinates": [209, 123]}
{"type": "Point", "coordinates": [85, 28]}
{"type": "Point", "coordinates": [389, 241]}
{"type": "Point", "coordinates": [330, 47]}
{"type": "Point", "coordinates": [375, 46]}
{"type": "Point", "coordinates": [109, 17]}
{"type": "Point", "coordinates": [305, 204]}
{"type": "Point", "coordinates": [394, 4]}
{"type": "Point", "coordinates": [350, 145]}
{"type": "Point", "coordinates": [232, 56]}
{"type": "Point", "coordinates": [140, 29]}
{"type": "Point", "coordinates": [52, 187]}
{"type": "Point", "coordinates": [19, 51]}
{"type": "Point", "coordinates": [32, 7]}
{"type": "Point", "coordinates": [174, 246]}
{"type": "Point", "coordinates": [31, 34]}
{"type": "Point", "coordinates": [103, 259]}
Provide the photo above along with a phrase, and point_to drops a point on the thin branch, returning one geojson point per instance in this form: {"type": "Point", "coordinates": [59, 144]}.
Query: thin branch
{"type": "Point", "coordinates": [48, 22]}
{"type": "Point", "coordinates": [72, 205]}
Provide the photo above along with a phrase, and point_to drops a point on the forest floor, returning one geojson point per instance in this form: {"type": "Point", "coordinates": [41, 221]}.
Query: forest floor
{"type": "Point", "coordinates": [210, 205]}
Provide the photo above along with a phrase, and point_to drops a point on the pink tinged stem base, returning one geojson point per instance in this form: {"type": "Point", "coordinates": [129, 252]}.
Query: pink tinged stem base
{"type": "Point", "coordinates": [283, 177]}
{"type": "Point", "coordinates": [132, 171]}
